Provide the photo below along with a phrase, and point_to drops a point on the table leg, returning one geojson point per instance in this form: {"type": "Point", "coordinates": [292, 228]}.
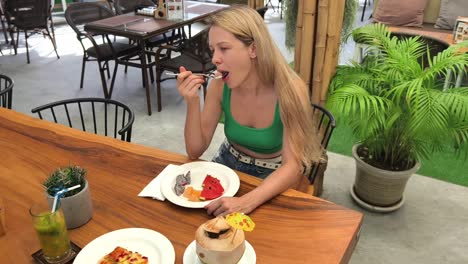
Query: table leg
{"type": "Point", "coordinates": [272, 6]}
{"type": "Point", "coordinates": [144, 67]}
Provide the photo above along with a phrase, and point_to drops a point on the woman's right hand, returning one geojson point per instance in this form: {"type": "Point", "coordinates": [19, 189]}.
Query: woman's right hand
{"type": "Point", "coordinates": [188, 83]}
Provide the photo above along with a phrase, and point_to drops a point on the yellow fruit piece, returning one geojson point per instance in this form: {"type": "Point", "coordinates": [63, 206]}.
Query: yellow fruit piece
{"type": "Point", "coordinates": [191, 194]}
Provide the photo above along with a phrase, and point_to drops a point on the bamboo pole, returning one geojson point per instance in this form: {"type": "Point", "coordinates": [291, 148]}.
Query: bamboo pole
{"type": "Point", "coordinates": [336, 12]}
{"type": "Point", "coordinates": [307, 40]}
{"type": "Point", "coordinates": [320, 48]}
{"type": "Point", "coordinates": [255, 3]}
{"type": "Point", "coordinates": [297, 50]}
{"type": "Point", "coordinates": [318, 31]}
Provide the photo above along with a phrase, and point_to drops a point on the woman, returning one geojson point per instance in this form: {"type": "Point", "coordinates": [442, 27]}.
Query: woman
{"type": "Point", "coordinates": [267, 110]}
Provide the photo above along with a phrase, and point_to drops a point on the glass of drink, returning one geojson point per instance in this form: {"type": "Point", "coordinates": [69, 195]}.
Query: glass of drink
{"type": "Point", "coordinates": [52, 232]}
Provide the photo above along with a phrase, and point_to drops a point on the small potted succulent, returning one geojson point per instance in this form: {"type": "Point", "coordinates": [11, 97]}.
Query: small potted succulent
{"type": "Point", "coordinates": [76, 204]}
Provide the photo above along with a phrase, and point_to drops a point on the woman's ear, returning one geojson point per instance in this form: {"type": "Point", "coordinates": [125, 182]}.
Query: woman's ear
{"type": "Point", "coordinates": [253, 51]}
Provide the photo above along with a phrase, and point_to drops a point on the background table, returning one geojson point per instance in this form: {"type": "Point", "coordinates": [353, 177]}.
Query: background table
{"type": "Point", "coordinates": [141, 28]}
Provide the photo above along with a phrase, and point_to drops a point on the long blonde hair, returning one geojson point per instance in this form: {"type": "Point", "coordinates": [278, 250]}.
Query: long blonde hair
{"type": "Point", "coordinates": [293, 95]}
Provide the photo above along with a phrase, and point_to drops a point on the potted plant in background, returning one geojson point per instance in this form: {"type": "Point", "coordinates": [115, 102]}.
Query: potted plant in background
{"type": "Point", "coordinates": [76, 204]}
{"type": "Point", "coordinates": [398, 111]}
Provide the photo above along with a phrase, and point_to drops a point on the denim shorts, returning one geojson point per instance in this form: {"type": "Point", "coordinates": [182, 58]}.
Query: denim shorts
{"type": "Point", "coordinates": [225, 157]}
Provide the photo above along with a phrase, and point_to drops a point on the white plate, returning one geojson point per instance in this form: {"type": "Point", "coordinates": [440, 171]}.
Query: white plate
{"type": "Point", "coordinates": [147, 242]}
{"type": "Point", "coordinates": [190, 255]}
{"type": "Point", "coordinates": [198, 171]}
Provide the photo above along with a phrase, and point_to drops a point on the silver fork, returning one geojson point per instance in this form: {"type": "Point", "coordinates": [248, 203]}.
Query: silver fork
{"type": "Point", "coordinates": [208, 75]}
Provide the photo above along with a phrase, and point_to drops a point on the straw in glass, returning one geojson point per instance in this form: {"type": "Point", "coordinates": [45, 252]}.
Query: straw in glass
{"type": "Point", "coordinates": [61, 192]}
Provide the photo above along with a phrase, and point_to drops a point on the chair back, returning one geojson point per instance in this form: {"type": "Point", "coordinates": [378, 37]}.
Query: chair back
{"type": "Point", "coordinates": [262, 10]}
{"type": "Point", "coordinates": [196, 47]}
{"type": "Point", "coordinates": [97, 115]}
{"type": "Point", "coordinates": [78, 14]}
{"type": "Point", "coordinates": [325, 123]}
{"type": "Point", "coordinates": [27, 14]}
{"type": "Point", "coordinates": [127, 6]}
{"type": "Point", "coordinates": [6, 91]}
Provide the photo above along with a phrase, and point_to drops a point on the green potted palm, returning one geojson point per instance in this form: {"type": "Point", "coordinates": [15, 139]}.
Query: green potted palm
{"type": "Point", "coordinates": [399, 112]}
{"type": "Point", "coordinates": [76, 204]}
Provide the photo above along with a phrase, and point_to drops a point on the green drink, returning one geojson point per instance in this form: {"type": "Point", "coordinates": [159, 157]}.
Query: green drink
{"type": "Point", "coordinates": [52, 232]}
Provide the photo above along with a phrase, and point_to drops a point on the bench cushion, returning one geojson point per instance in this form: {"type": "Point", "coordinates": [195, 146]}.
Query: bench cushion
{"type": "Point", "coordinates": [431, 12]}
{"type": "Point", "coordinates": [400, 12]}
{"type": "Point", "coordinates": [449, 11]}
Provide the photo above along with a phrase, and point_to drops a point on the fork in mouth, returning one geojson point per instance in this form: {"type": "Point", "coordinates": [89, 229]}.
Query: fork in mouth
{"type": "Point", "coordinates": [207, 75]}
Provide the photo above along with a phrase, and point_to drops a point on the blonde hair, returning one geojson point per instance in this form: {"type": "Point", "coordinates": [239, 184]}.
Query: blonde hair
{"type": "Point", "coordinates": [293, 95]}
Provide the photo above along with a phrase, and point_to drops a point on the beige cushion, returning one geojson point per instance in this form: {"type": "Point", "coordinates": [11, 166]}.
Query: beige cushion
{"type": "Point", "coordinates": [400, 12]}
{"type": "Point", "coordinates": [431, 12]}
{"type": "Point", "coordinates": [449, 11]}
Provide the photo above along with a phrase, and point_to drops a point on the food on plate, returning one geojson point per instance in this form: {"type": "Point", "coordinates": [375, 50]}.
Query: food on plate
{"type": "Point", "coordinates": [191, 194]}
{"type": "Point", "coordinates": [212, 188]}
{"type": "Point", "coordinates": [219, 243]}
{"type": "Point", "coordinates": [122, 255]}
{"type": "Point", "coordinates": [181, 181]}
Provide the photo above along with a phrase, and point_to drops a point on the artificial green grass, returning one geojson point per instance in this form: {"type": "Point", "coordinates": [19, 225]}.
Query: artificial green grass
{"type": "Point", "coordinates": [443, 166]}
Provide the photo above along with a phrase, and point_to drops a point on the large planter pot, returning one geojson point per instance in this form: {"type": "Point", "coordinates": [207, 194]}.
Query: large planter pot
{"type": "Point", "coordinates": [379, 190]}
{"type": "Point", "coordinates": [77, 209]}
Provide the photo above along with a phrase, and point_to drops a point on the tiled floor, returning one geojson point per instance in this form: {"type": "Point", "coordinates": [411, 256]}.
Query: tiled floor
{"type": "Point", "coordinates": [430, 228]}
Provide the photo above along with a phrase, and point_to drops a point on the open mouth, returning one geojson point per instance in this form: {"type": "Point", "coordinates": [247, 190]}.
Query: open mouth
{"type": "Point", "coordinates": [224, 74]}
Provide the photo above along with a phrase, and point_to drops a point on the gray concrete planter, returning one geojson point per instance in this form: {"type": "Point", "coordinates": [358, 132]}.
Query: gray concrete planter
{"type": "Point", "coordinates": [77, 209]}
{"type": "Point", "coordinates": [379, 190]}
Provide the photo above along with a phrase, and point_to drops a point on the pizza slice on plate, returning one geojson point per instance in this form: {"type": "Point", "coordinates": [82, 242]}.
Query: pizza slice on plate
{"type": "Point", "coordinates": [122, 255]}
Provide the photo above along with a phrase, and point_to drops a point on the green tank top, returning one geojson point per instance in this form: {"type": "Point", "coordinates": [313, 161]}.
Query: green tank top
{"type": "Point", "coordinates": [261, 140]}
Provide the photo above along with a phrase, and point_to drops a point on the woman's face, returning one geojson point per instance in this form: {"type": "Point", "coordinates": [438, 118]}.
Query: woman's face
{"type": "Point", "coordinates": [231, 56]}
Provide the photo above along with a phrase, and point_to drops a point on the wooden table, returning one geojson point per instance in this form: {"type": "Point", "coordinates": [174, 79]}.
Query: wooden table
{"type": "Point", "coordinates": [292, 228]}
{"type": "Point", "coordinates": [142, 28]}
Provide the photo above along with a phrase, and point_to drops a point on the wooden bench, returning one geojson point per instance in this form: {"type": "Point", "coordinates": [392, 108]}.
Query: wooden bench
{"type": "Point", "coordinates": [427, 31]}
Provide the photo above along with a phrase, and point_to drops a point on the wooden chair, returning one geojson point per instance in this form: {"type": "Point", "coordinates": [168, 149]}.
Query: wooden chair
{"type": "Point", "coordinates": [101, 116]}
{"type": "Point", "coordinates": [325, 124]}
{"type": "Point", "coordinates": [6, 91]}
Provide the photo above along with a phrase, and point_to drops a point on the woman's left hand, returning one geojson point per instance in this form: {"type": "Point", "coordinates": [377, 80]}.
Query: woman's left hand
{"type": "Point", "coordinates": [227, 205]}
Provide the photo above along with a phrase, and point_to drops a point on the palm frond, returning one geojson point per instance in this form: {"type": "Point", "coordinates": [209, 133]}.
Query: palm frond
{"type": "Point", "coordinates": [395, 104]}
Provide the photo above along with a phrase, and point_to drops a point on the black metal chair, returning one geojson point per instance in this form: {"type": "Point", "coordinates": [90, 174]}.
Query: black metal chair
{"type": "Point", "coordinates": [31, 16]}
{"type": "Point", "coordinates": [3, 20]}
{"type": "Point", "coordinates": [6, 91]}
{"type": "Point", "coordinates": [77, 15]}
{"type": "Point", "coordinates": [262, 10]}
{"type": "Point", "coordinates": [98, 115]}
{"type": "Point", "coordinates": [325, 123]}
{"type": "Point", "coordinates": [364, 9]}
{"type": "Point", "coordinates": [127, 6]}
{"type": "Point", "coordinates": [194, 54]}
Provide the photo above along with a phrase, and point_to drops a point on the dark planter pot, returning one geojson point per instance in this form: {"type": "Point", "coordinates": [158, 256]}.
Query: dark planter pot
{"type": "Point", "coordinates": [379, 190]}
{"type": "Point", "coordinates": [77, 209]}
